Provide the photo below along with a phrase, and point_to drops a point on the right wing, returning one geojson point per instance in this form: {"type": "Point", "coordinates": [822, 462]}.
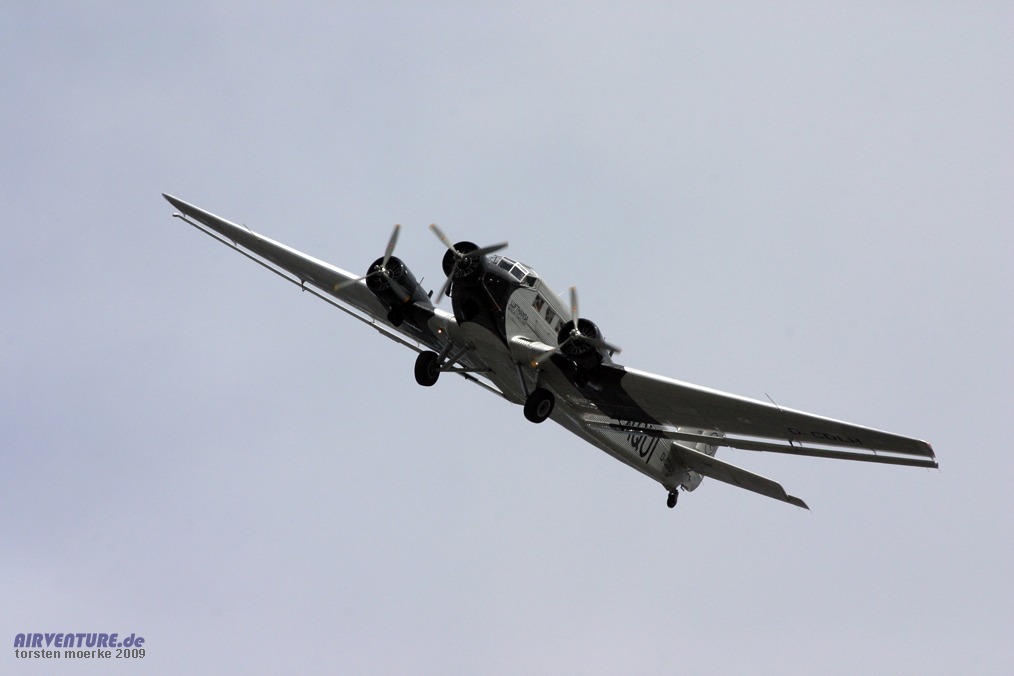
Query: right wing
{"type": "Point", "coordinates": [352, 296]}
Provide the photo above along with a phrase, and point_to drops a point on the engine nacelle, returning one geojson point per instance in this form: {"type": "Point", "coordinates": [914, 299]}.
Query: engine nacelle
{"type": "Point", "coordinates": [396, 299]}
{"type": "Point", "coordinates": [580, 351]}
{"type": "Point", "coordinates": [461, 271]}
{"type": "Point", "coordinates": [465, 269]}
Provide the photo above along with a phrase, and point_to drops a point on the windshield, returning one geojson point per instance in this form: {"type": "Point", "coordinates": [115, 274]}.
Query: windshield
{"type": "Point", "coordinates": [516, 270]}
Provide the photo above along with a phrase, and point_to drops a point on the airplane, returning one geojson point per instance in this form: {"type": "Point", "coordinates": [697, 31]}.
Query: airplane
{"type": "Point", "coordinates": [509, 333]}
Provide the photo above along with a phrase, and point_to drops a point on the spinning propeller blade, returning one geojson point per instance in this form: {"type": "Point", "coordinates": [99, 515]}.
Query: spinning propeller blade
{"type": "Point", "coordinates": [390, 246]}
{"type": "Point", "coordinates": [443, 290]}
{"type": "Point", "coordinates": [575, 335]}
{"type": "Point", "coordinates": [442, 236]}
{"type": "Point", "coordinates": [382, 270]}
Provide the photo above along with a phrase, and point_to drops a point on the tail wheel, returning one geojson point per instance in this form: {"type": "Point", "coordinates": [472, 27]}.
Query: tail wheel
{"type": "Point", "coordinates": [539, 405]}
{"type": "Point", "coordinates": [427, 368]}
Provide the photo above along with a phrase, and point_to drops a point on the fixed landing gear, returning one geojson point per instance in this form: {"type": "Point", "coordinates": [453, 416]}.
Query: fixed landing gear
{"type": "Point", "coordinates": [429, 364]}
{"type": "Point", "coordinates": [673, 497]}
{"type": "Point", "coordinates": [427, 368]}
{"type": "Point", "coordinates": [539, 404]}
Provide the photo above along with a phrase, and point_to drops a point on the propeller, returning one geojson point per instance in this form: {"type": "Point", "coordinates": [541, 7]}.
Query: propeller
{"type": "Point", "coordinates": [382, 271]}
{"type": "Point", "coordinates": [461, 258]}
{"type": "Point", "coordinates": [575, 336]}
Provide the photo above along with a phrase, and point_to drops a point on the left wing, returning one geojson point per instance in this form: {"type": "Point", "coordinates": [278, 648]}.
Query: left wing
{"type": "Point", "coordinates": [760, 426]}
{"type": "Point", "coordinates": [625, 394]}
{"type": "Point", "coordinates": [621, 410]}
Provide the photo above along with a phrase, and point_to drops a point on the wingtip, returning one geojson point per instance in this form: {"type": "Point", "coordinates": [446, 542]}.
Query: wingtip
{"type": "Point", "coordinates": [176, 202]}
{"type": "Point", "coordinates": [798, 502]}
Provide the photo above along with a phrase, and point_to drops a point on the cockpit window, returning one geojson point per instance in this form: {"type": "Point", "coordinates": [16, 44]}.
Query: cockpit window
{"type": "Point", "coordinates": [516, 270]}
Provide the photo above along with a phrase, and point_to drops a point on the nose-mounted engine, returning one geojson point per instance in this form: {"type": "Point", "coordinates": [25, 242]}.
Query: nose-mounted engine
{"type": "Point", "coordinates": [462, 262]}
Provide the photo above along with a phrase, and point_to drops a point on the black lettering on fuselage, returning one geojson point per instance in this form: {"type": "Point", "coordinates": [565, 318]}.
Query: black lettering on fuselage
{"type": "Point", "coordinates": [518, 312]}
{"type": "Point", "coordinates": [643, 444]}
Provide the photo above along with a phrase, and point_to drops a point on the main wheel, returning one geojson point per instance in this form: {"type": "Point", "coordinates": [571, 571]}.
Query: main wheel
{"type": "Point", "coordinates": [539, 405]}
{"type": "Point", "coordinates": [427, 368]}
{"type": "Point", "coordinates": [671, 502]}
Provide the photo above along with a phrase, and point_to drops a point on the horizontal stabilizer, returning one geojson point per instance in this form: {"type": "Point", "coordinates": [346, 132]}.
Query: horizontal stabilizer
{"type": "Point", "coordinates": [731, 474]}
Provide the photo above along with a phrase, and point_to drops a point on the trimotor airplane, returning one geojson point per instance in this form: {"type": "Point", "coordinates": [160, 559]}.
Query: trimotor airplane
{"type": "Point", "coordinates": [510, 334]}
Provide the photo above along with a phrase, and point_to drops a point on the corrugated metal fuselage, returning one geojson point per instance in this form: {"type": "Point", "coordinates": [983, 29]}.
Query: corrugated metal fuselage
{"type": "Point", "coordinates": [509, 315]}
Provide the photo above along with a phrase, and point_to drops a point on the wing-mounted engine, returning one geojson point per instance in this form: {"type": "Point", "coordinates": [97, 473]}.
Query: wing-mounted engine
{"type": "Point", "coordinates": [396, 287]}
{"type": "Point", "coordinates": [584, 346]}
{"type": "Point", "coordinates": [580, 342]}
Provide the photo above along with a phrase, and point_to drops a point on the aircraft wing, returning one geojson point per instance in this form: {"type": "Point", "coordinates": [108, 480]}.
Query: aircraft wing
{"type": "Point", "coordinates": [747, 424]}
{"type": "Point", "coordinates": [624, 411]}
{"type": "Point", "coordinates": [338, 287]}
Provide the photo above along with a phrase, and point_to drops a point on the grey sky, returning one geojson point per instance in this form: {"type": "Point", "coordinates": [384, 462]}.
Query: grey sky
{"type": "Point", "coordinates": [807, 200]}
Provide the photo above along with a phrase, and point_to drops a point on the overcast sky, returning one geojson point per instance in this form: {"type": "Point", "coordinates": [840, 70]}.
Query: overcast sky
{"type": "Point", "coordinates": [805, 200]}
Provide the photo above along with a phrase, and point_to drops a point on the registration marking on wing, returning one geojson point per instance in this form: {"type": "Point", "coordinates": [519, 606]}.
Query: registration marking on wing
{"type": "Point", "coordinates": [824, 436]}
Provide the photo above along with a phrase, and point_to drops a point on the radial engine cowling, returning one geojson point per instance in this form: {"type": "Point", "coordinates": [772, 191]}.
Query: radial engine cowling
{"type": "Point", "coordinates": [462, 270]}
{"type": "Point", "coordinates": [396, 297]}
{"type": "Point", "coordinates": [583, 347]}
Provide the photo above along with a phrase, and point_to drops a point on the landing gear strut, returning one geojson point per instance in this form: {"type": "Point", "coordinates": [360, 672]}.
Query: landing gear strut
{"type": "Point", "coordinates": [673, 496]}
